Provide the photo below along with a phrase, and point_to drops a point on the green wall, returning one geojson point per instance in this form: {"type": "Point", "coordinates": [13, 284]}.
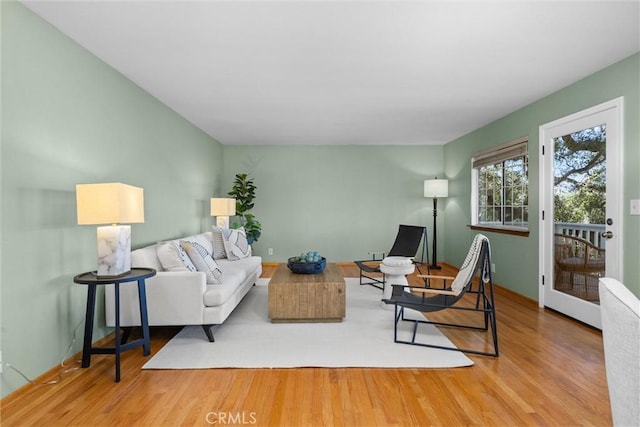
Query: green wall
{"type": "Point", "coordinates": [1, 234]}
{"type": "Point", "coordinates": [516, 258]}
{"type": "Point", "coordinates": [341, 201]}
{"type": "Point", "coordinates": [68, 118]}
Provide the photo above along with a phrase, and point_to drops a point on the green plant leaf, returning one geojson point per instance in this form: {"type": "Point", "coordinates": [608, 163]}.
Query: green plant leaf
{"type": "Point", "coordinates": [244, 191]}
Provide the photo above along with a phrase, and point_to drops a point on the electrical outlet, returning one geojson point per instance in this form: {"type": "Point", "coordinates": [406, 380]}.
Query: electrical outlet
{"type": "Point", "coordinates": [493, 268]}
{"type": "Point", "coordinates": [634, 207]}
{"type": "Point", "coordinates": [270, 251]}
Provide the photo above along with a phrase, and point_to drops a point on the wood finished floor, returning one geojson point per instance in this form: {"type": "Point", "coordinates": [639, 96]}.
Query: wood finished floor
{"type": "Point", "coordinates": [550, 372]}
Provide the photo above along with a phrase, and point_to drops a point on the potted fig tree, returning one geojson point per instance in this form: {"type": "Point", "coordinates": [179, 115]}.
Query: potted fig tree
{"type": "Point", "coordinates": [244, 191]}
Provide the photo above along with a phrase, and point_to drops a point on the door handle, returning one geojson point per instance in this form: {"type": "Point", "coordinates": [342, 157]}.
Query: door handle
{"type": "Point", "coordinates": [607, 234]}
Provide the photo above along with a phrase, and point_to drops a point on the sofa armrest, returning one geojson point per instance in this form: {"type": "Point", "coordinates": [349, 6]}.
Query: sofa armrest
{"type": "Point", "coordinates": [173, 298]}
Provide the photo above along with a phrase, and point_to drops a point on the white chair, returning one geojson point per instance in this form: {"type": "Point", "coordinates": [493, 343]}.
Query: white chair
{"type": "Point", "coordinates": [620, 310]}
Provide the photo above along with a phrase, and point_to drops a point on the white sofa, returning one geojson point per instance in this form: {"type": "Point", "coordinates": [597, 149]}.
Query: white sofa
{"type": "Point", "coordinates": [184, 297]}
{"type": "Point", "coordinates": [620, 310]}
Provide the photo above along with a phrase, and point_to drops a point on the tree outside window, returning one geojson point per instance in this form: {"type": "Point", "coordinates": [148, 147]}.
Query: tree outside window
{"type": "Point", "coordinates": [580, 176]}
{"type": "Point", "coordinates": [500, 187]}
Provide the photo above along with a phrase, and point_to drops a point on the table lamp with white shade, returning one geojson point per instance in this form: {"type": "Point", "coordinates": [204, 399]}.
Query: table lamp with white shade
{"type": "Point", "coordinates": [222, 209]}
{"type": "Point", "coordinates": [114, 204]}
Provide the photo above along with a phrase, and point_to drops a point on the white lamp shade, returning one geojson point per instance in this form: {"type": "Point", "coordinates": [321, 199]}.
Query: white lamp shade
{"type": "Point", "coordinates": [436, 188]}
{"type": "Point", "coordinates": [223, 207]}
{"type": "Point", "coordinates": [109, 203]}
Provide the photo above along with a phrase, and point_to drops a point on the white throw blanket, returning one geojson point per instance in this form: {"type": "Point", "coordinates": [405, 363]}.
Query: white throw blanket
{"type": "Point", "coordinates": [465, 275]}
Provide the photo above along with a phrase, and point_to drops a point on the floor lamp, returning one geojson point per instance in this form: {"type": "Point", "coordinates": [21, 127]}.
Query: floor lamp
{"type": "Point", "coordinates": [435, 188]}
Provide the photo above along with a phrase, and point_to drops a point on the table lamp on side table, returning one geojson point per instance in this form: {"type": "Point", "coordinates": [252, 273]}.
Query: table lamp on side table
{"type": "Point", "coordinates": [111, 203]}
{"type": "Point", "coordinates": [222, 209]}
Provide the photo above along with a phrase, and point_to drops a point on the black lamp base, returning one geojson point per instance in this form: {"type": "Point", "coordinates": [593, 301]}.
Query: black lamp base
{"type": "Point", "coordinates": [434, 264]}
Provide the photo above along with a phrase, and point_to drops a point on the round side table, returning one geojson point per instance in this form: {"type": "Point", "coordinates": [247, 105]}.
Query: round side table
{"type": "Point", "coordinates": [92, 281]}
{"type": "Point", "coordinates": [396, 269]}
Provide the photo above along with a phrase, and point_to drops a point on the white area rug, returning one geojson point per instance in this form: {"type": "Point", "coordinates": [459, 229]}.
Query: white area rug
{"type": "Point", "coordinates": [364, 338]}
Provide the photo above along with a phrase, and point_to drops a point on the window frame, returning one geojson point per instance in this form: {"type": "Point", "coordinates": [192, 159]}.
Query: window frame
{"type": "Point", "coordinates": [499, 154]}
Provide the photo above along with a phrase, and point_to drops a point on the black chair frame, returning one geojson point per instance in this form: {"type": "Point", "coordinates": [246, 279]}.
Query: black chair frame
{"type": "Point", "coordinates": [406, 244]}
{"type": "Point", "coordinates": [446, 300]}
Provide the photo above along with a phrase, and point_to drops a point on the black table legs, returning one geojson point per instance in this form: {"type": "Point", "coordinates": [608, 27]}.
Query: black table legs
{"type": "Point", "coordinates": [88, 326]}
{"type": "Point", "coordinates": [88, 349]}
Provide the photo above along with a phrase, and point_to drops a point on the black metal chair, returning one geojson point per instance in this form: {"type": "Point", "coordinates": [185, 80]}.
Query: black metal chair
{"type": "Point", "coordinates": [406, 244]}
{"type": "Point", "coordinates": [477, 262]}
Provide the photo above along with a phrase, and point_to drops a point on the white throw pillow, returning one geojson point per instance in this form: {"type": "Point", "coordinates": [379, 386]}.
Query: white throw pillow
{"type": "Point", "coordinates": [205, 239]}
{"type": "Point", "coordinates": [218, 243]}
{"type": "Point", "coordinates": [173, 258]}
{"type": "Point", "coordinates": [235, 244]}
{"type": "Point", "coordinates": [203, 261]}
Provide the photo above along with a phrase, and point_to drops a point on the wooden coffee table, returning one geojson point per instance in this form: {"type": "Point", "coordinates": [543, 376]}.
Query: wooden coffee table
{"type": "Point", "coordinates": [307, 297]}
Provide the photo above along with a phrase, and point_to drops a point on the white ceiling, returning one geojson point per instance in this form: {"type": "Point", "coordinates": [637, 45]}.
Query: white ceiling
{"type": "Point", "coordinates": [349, 72]}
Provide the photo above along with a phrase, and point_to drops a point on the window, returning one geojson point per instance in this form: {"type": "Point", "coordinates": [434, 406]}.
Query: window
{"type": "Point", "coordinates": [500, 187]}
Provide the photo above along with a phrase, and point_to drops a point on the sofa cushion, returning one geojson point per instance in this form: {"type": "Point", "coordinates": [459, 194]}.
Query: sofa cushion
{"type": "Point", "coordinates": [234, 273]}
{"type": "Point", "coordinates": [206, 240]}
{"type": "Point", "coordinates": [203, 261]}
{"type": "Point", "coordinates": [146, 257]}
{"type": "Point", "coordinates": [235, 244]}
{"type": "Point", "coordinates": [173, 257]}
{"type": "Point", "coordinates": [218, 243]}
